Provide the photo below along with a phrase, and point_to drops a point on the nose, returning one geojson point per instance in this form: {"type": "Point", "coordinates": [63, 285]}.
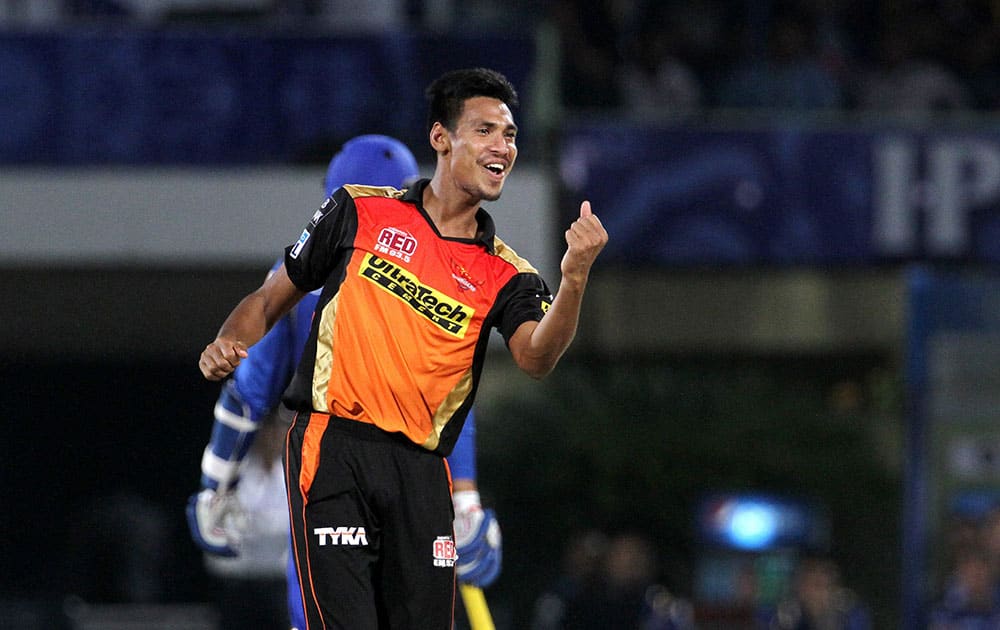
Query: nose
{"type": "Point", "coordinates": [500, 145]}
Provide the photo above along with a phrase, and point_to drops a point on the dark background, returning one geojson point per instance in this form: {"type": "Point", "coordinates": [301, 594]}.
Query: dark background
{"type": "Point", "coordinates": [725, 345]}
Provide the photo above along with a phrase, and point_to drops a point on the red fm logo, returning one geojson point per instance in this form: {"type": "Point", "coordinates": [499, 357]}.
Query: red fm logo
{"type": "Point", "coordinates": [444, 552]}
{"type": "Point", "coordinates": [396, 243]}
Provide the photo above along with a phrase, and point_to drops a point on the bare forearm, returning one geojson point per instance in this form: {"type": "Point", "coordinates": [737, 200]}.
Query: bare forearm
{"type": "Point", "coordinates": [247, 323]}
{"type": "Point", "coordinates": [549, 338]}
{"type": "Point", "coordinates": [538, 347]}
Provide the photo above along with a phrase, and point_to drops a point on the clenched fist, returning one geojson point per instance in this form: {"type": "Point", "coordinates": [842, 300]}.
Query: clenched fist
{"type": "Point", "coordinates": [585, 239]}
{"type": "Point", "coordinates": [220, 358]}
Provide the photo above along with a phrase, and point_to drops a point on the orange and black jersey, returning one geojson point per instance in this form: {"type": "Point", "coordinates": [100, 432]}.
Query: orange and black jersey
{"type": "Point", "coordinates": [401, 328]}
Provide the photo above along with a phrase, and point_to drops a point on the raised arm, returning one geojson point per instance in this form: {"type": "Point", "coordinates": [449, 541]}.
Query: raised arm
{"type": "Point", "coordinates": [247, 323]}
{"type": "Point", "coordinates": [537, 346]}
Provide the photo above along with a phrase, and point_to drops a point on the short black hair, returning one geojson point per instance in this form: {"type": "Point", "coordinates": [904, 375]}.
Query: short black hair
{"type": "Point", "coordinates": [447, 94]}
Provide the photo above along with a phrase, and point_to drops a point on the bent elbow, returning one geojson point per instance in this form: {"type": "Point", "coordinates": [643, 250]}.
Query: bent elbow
{"type": "Point", "coordinates": [537, 374]}
{"type": "Point", "coordinates": [537, 369]}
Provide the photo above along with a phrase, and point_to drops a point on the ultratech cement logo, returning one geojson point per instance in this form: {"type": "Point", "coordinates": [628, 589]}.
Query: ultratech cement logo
{"type": "Point", "coordinates": [444, 552]}
{"type": "Point", "coordinates": [446, 312]}
{"type": "Point", "coordinates": [352, 536]}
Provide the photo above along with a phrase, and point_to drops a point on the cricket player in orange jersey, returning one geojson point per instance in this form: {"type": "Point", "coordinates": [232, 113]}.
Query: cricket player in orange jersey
{"type": "Point", "coordinates": [411, 285]}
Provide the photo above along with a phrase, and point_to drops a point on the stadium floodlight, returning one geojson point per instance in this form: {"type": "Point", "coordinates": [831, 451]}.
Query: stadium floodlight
{"type": "Point", "coordinates": [757, 522]}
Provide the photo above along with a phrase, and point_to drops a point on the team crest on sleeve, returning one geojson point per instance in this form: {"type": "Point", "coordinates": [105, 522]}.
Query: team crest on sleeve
{"type": "Point", "coordinates": [299, 244]}
{"type": "Point", "coordinates": [327, 206]}
{"type": "Point", "coordinates": [317, 216]}
{"type": "Point", "coordinates": [546, 302]}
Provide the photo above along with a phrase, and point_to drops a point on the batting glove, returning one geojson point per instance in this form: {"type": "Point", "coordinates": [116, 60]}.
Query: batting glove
{"type": "Point", "coordinates": [477, 541]}
{"type": "Point", "coordinates": [216, 521]}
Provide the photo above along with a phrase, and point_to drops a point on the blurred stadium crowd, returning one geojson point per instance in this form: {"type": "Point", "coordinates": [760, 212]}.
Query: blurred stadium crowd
{"type": "Point", "coordinates": [663, 60]}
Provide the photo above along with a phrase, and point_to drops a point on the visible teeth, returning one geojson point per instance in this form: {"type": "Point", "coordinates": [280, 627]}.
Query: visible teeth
{"type": "Point", "coordinates": [497, 168]}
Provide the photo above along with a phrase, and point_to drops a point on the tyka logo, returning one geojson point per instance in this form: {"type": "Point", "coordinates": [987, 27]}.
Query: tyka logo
{"type": "Point", "coordinates": [353, 536]}
{"type": "Point", "coordinates": [444, 552]}
{"type": "Point", "coordinates": [396, 243]}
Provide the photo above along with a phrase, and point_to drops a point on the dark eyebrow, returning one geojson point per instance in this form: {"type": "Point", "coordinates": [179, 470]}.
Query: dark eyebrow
{"type": "Point", "coordinates": [493, 125]}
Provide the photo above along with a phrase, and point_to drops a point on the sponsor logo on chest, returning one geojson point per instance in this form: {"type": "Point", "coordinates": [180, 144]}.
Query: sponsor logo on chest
{"type": "Point", "coordinates": [396, 243]}
{"type": "Point", "coordinates": [440, 309]}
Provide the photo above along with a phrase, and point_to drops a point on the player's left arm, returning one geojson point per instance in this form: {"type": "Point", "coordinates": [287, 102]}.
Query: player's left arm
{"type": "Point", "coordinates": [538, 346]}
{"type": "Point", "coordinates": [248, 323]}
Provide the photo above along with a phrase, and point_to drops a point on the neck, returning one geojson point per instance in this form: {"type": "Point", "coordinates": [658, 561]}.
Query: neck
{"type": "Point", "coordinates": [453, 215]}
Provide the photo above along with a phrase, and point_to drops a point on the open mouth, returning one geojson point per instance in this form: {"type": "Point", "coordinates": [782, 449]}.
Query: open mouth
{"type": "Point", "coordinates": [496, 168]}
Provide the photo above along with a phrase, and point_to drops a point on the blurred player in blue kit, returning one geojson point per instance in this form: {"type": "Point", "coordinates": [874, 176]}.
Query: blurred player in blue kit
{"type": "Point", "coordinates": [241, 489]}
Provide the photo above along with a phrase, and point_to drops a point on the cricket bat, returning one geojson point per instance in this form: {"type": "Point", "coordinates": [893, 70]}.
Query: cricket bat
{"type": "Point", "coordinates": [475, 607]}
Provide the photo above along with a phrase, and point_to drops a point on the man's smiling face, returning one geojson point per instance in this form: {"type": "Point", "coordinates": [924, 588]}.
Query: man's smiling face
{"type": "Point", "coordinates": [483, 147]}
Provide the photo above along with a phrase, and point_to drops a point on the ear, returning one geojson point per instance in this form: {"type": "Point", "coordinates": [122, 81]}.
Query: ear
{"type": "Point", "coordinates": [440, 139]}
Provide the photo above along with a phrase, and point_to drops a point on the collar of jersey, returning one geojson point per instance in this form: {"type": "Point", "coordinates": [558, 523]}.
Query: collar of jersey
{"type": "Point", "coordinates": [487, 229]}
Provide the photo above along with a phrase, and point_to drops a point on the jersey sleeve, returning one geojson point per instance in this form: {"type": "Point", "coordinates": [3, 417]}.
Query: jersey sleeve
{"type": "Point", "coordinates": [324, 238]}
{"type": "Point", "coordinates": [526, 298]}
{"type": "Point", "coordinates": [462, 460]}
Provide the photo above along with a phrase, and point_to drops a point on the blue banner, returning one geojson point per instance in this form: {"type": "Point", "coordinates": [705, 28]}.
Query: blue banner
{"type": "Point", "coordinates": [785, 195]}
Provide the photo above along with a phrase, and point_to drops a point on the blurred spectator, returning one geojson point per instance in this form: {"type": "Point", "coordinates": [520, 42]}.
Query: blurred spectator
{"type": "Point", "coordinates": [450, 15]}
{"type": "Point", "coordinates": [963, 529]}
{"type": "Point", "coordinates": [789, 75]}
{"type": "Point", "coordinates": [158, 11]}
{"type": "Point", "coordinates": [979, 55]}
{"type": "Point", "coordinates": [835, 43]}
{"type": "Point", "coordinates": [119, 551]}
{"type": "Point", "coordinates": [819, 601]}
{"type": "Point", "coordinates": [590, 58]}
{"type": "Point", "coordinates": [623, 595]}
{"type": "Point", "coordinates": [635, 598]}
{"type": "Point", "coordinates": [970, 598]}
{"type": "Point", "coordinates": [701, 33]}
{"type": "Point", "coordinates": [656, 83]}
{"type": "Point", "coordinates": [370, 16]}
{"type": "Point", "coordinates": [34, 13]}
{"type": "Point", "coordinates": [990, 538]}
{"type": "Point", "coordinates": [907, 77]}
{"type": "Point", "coordinates": [583, 558]}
